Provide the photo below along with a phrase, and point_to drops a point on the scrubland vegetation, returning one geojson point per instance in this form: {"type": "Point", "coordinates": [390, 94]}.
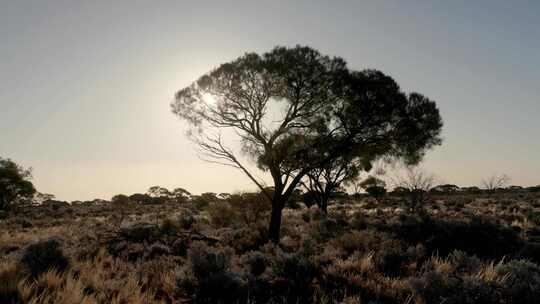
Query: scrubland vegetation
{"type": "Point", "coordinates": [459, 248]}
{"type": "Point", "coordinates": [299, 239]}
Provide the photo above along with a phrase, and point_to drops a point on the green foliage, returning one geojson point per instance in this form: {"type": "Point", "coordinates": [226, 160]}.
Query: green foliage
{"type": "Point", "coordinates": [15, 185]}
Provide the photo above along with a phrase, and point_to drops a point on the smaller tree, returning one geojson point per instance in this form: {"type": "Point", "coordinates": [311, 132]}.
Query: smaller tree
{"type": "Point", "coordinates": [322, 182]}
{"type": "Point", "coordinates": [120, 203]}
{"type": "Point", "coordinates": [224, 195]}
{"type": "Point", "coordinates": [417, 184]}
{"type": "Point", "coordinates": [209, 196]}
{"type": "Point", "coordinates": [157, 191]}
{"type": "Point", "coordinates": [15, 185]}
{"type": "Point", "coordinates": [181, 195]}
{"type": "Point", "coordinates": [39, 198]}
{"type": "Point", "coordinates": [446, 188]}
{"type": "Point", "coordinates": [495, 182]}
{"type": "Point", "coordinates": [141, 198]}
{"type": "Point", "coordinates": [374, 186]}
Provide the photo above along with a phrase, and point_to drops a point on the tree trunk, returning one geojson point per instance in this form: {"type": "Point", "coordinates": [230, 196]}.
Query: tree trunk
{"type": "Point", "coordinates": [324, 205]}
{"type": "Point", "coordinates": [322, 202]}
{"type": "Point", "coordinates": [275, 221]}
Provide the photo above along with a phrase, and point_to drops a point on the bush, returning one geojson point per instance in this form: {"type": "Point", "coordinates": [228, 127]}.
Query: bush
{"type": "Point", "coordinates": [222, 214]}
{"type": "Point", "coordinates": [186, 220]}
{"type": "Point", "coordinates": [256, 263]}
{"type": "Point", "coordinates": [250, 207]}
{"type": "Point", "coordinates": [170, 227]}
{"type": "Point", "coordinates": [157, 249]}
{"type": "Point", "coordinates": [477, 236]}
{"type": "Point", "coordinates": [200, 202]}
{"type": "Point", "coordinates": [295, 273]}
{"type": "Point", "coordinates": [215, 283]}
{"type": "Point", "coordinates": [435, 287]}
{"type": "Point", "coordinates": [523, 282]}
{"type": "Point", "coordinates": [140, 233]}
{"type": "Point", "coordinates": [9, 277]}
{"type": "Point", "coordinates": [43, 256]}
{"type": "Point", "coordinates": [376, 191]}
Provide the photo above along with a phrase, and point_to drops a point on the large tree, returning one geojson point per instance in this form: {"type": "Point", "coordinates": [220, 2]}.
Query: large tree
{"type": "Point", "coordinates": [295, 111]}
{"type": "Point", "coordinates": [15, 184]}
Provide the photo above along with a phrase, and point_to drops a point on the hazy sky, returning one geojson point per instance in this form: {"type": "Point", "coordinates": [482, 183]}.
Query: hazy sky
{"type": "Point", "coordinates": [85, 86]}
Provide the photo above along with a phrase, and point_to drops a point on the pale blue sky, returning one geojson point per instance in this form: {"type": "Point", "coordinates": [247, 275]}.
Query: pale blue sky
{"type": "Point", "coordinates": [85, 87]}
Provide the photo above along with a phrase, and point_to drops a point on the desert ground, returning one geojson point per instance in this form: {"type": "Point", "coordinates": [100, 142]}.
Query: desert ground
{"type": "Point", "coordinates": [459, 248]}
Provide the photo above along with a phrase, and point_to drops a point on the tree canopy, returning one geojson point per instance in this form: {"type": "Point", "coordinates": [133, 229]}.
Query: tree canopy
{"type": "Point", "coordinates": [15, 184]}
{"type": "Point", "coordinates": [296, 111]}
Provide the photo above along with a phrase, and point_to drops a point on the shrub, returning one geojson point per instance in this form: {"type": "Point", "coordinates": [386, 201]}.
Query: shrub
{"type": "Point", "coordinates": [204, 260]}
{"type": "Point", "coordinates": [170, 227]}
{"type": "Point", "coordinates": [186, 220]}
{"type": "Point", "coordinates": [257, 263]}
{"type": "Point", "coordinates": [295, 275]}
{"type": "Point", "coordinates": [531, 251]}
{"type": "Point", "coordinates": [435, 287]}
{"type": "Point", "coordinates": [157, 249]}
{"type": "Point", "coordinates": [250, 206]}
{"type": "Point", "coordinates": [222, 214]}
{"type": "Point", "coordinates": [523, 282]}
{"type": "Point", "coordinates": [376, 191]}
{"type": "Point", "coordinates": [215, 283]}
{"type": "Point", "coordinates": [9, 278]}
{"type": "Point", "coordinates": [140, 233]}
{"type": "Point", "coordinates": [477, 236]}
{"type": "Point", "coordinates": [43, 256]}
{"type": "Point", "coordinates": [200, 202]}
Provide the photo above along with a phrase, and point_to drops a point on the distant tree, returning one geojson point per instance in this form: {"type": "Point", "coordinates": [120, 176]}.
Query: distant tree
{"type": "Point", "coordinates": [296, 110]}
{"type": "Point", "coordinates": [224, 196]}
{"type": "Point", "coordinates": [140, 198]}
{"type": "Point", "coordinates": [39, 197]}
{"type": "Point", "coordinates": [376, 191]}
{"type": "Point", "coordinates": [471, 189]}
{"type": "Point", "coordinates": [322, 182]}
{"type": "Point", "coordinates": [157, 191]}
{"type": "Point", "coordinates": [15, 184]}
{"type": "Point", "coordinates": [120, 203]}
{"type": "Point", "coordinates": [181, 194]}
{"type": "Point", "coordinates": [400, 191]}
{"type": "Point", "coordinates": [417, 183]}
{"type": "Point", "coordinates": [495, 182]}
{"type": "Point", "coordinates": [374, 186]}
{"type": "Point", "coordinates": [209, 196]}
{"type": "Point", "coordinates": [515, 188]}
{"type": "Point", "coordinates": [446, 188]}
{"type": "Point", "coordinates": [533, 189]}
{"type": "Point", "coordinates": [120, 200]}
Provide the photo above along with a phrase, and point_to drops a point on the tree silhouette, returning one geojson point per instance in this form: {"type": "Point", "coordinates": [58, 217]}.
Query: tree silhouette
{"type": "Point", "coordinates": [15, 185]}
{"type": "Point", "coordinates": [323, 181]}
{"type": "Point", "coordinates": [374, 186]}
{"type": "Point", "coordinates": [495, 182]}
{"type": "Point", "coordinates": [417, 183]}
{"type": "Point", "coordinates": [296, 111]}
